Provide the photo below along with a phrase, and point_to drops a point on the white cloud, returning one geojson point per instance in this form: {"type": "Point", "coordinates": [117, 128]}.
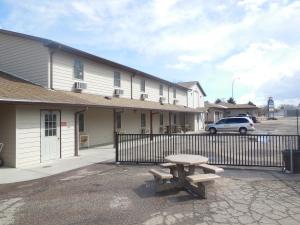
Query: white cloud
{"type": "Point", "coordinates": [178, 66]}
{"type": "Point", "coordinates": [257, 40]}
{"type": "Point", "coordinates": [261, 62]}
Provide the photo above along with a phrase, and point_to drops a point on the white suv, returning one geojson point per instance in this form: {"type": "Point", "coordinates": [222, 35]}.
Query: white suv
{"type": "Point", "coordinates": [233, 124]}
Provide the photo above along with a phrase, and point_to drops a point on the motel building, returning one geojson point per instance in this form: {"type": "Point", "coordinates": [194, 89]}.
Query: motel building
{"type": "Point", "coordinates": [56, 101]}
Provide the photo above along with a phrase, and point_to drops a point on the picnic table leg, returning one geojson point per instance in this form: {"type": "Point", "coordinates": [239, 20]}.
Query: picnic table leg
{"type": "Point", "coordinates": [191, 170]}
{"type": "Point", "coordinates": [181, 175]}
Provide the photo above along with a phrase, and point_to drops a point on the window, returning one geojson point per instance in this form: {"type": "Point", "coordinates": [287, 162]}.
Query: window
{"type": "Point", "coordinates": [81, 122]}
{"type": "Point", "coordinates": [143, 120]}
{"type": "Point", "coordinates": [118, 118]}
{"type": "Point", "coordinates": [223, 121]}
{"type": "Point", "coordinates": [161, 119]}
{"type": "Point", "coordinates": [161, 90]}
{"type": "Point", "coordinates": [175, 119]}
{"type": "Point", "coordinates": [50, 124]}
{"type": "Point", "coordinates": [239, 120]}
{"type": "Point", "coordinates": [174, 92]}
{"type": "Point", "coordinates": [78, 69]}
{"type": "Point", "coordinates": [143, 85]}
{"type": "Point", "coordinates": [117, 79]}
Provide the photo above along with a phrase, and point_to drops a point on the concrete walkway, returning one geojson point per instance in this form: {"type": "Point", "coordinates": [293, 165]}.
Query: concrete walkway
{"type": "Point", "coordinates": [87, 157]}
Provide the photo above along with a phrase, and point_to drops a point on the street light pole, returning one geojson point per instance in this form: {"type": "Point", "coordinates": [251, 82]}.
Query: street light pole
{"type": "Point", "coordinates": [297, 115]}
{"type": "Point", "coordinates": [237, 78]}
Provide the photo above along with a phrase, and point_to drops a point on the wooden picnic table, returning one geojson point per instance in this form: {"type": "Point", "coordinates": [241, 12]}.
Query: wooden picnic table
{"type": "Point", "coordinates": [184, 160]}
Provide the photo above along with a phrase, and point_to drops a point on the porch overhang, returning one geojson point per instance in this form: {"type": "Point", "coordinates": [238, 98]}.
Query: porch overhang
{"type": "Point", "coordinates": [18, 91]}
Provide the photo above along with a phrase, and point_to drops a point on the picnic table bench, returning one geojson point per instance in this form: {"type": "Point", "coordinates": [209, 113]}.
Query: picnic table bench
{"type": "Point", "coordinates": [182, 174]}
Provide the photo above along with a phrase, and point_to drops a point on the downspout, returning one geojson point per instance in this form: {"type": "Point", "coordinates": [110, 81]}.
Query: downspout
{"type": "Point", "coordinates": [131, 85]}
{"type": "Point", "coordinates": [51, 69]}
{"type": "Point", "coordinates": [168, 94]}
{"type": "Point", "coordinates": [76, 153]}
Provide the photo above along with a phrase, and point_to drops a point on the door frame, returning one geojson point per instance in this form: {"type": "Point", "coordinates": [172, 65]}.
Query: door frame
{"type": "Point", "coordinates": [54, 109]}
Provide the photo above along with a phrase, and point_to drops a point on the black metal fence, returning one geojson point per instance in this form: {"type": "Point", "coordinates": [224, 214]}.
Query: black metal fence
{"type": "Point", "coordinates": [221, 149]}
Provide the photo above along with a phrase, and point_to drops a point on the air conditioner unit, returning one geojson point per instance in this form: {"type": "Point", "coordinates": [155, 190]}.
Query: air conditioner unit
{"type": "Point", "coordinates": [79, 85]}
{"type": "Point", "coordinates": [119, 92]}
{"type": "Point", "coordinates": [84, 141]}
{"type": "Point", "coordinates": [162, 99]}
{"type": "Point", "coordinates": [175, 101]}
{"type": "Point", "coordinates": [144, 96]}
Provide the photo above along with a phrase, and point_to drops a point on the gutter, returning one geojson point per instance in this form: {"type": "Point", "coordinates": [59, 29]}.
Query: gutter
{"type": "Point", "coordinates": [51, 69]}
{"type": "Point", "coordinates": [76, 151]}
{"type": "Point", "coordinates": [131, 85]}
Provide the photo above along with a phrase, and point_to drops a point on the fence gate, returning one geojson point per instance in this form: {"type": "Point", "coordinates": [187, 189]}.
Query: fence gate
{"type": "Point", "coordinates": [221, 149]}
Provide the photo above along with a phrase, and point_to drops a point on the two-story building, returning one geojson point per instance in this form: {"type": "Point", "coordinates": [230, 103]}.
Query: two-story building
{"type": "Point", "coordinates": [55, 100]}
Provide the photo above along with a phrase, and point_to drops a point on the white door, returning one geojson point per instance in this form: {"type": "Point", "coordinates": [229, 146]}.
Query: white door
{"type": "Point", "coordinates": [50, 135]}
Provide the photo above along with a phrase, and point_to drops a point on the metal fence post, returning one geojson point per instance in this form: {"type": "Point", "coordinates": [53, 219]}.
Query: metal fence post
{"type": "Point", "coordinates": [117, 146]}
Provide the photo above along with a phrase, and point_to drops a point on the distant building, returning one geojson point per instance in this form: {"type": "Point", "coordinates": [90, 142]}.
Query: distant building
{"type": "Point", "coordinates": [214, 112]}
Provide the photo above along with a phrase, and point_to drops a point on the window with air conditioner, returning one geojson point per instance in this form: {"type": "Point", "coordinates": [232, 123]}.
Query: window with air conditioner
{"type": "Point", "coordinates": [117, 79]}
{"type": "Point", "coordinates": [78, 69]}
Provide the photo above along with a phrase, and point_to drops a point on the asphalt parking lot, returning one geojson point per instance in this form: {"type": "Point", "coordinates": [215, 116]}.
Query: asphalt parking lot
{"type": "Point", "coordinates": [119, 194]}
{"type": "Point", "coordinates": [283, 125]}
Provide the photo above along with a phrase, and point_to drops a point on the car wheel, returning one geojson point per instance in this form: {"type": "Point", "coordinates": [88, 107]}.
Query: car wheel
{"type": "Point", "coordinates": [243, 130]}
{"type": "Point", "coordinates": [212, 130]}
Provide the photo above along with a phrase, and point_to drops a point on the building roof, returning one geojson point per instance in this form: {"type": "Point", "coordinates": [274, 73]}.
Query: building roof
{"type": "Point", "coordinates": [56, 45]}
{"type": "Point", "coordinates": [224, 105]}
{"type": "Point", "coordinates": [212, 105]}
{"type": "Point", "coordinates": [238, 106]}
{"type": "Point", "coordinates": [190, 84]}
{"type": "Point", "coordinates": [16, 90]}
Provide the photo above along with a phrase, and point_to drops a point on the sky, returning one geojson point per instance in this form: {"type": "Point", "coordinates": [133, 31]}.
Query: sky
{"type": "Point", "coordinates": [255, 43]}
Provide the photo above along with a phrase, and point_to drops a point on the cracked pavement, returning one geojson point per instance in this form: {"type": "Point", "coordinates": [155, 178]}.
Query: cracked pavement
{"type": "Point", "coordinates": [124, 194]}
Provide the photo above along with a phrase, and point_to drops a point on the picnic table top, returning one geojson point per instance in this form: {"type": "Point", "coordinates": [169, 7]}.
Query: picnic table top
{"type": "Point", "coordinates": [187, 159]}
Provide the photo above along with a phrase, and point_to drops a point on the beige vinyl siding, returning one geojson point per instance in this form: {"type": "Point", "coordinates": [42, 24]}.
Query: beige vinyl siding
{"type": "Point", "coordinates": [99, 77]}
{"type": "Point", "coordinates": [152, 89]}
{"type": "Point", "coordinates": [28, 134]}
{"type": "Point", "coordinates": [181, 96]}
{"type": "Point", "coordinates": [99, 126]}
{"type": "Point", "coordinates": [190, 94]}
{"type": "Point", "coordinates": [8, 134]}
{"type": "Point", "coordinates": [68, 133]}
{"type": "Point", "coordinates": [25, 58]}
{"type": "Point", "coordinates": [195, 97]}
{"type": "Point", "coordinates": [156, 125]}
{"type": "Point", "coordinates": [131, 121]}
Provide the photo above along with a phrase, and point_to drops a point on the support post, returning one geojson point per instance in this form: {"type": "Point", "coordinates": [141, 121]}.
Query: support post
{"type": "Point", "coordinates": [151, 125]}
{"type": "Point", "coordinates": [116, 142]}
{"type": "Point", "coordinates": [76, 127]}
{"type": "Point", "coordinates": [114, 125]}
{"type": "Point", "coordinates": [170, 122]}
{"type": "Point", "coordinates": [76, 153]}
{"type": "Point", "coordinates": [184, 120]}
